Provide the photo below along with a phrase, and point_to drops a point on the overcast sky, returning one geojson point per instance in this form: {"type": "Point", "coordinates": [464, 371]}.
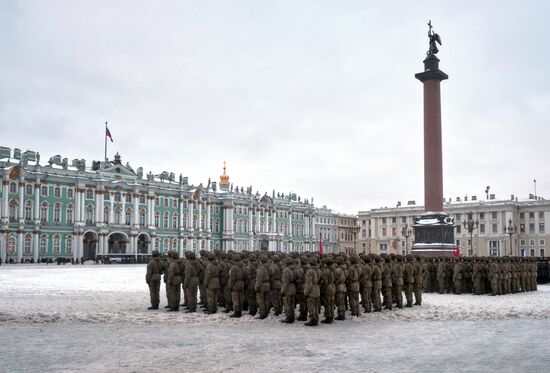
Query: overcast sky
{"type": "Point", "coordinates": [314, 97]}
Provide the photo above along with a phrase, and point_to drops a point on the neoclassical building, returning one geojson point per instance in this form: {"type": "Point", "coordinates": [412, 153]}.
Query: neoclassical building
{"type": "Point", "coordinates": [62, 209]}
{"type": "Point", "coordinates": [499, 227]}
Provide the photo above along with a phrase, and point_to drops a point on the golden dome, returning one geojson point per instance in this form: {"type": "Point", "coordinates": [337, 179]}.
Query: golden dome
{"type": "Point", "coordinates": [224, 178]}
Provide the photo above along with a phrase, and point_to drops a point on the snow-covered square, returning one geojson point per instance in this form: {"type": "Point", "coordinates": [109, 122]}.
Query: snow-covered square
{"type": "Point", "coordinates": [94, 318]}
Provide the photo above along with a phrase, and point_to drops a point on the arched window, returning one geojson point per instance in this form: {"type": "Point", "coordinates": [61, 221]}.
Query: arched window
{"type": "Point", "coordinates": [56, 244]}
{"type": "Point", "coordinates": [69, 244]}
{"type": "Point", "coordinates": [57, 213]}
{"type": "Point", "coordinates": [13, 188]}
{"type": "Point", "coordinates": [90, 216]}
{"type": "Point", "coordinates": [175, 221]}
{"type": "Point", "coordinates": [157, 243]}
{"type": "Point", "coordinates": [28, 211]}
{"type": "Point", "coordinates": [70, 214]}
{"type": "Point", "coordinates": [165, 220]}
{"type": "Point", "coordinates": [117, 215]}
{"type": "Point", "coordinates": [13, 210]}
{"type": "Point", "coordinates": [166, 245]}
{"type": "Point", "coordinates": [44, 212]}
{"type": "Point", "coordinates": [43, 245]}
{"type": "Point", "coordinates": [142, 217]}
{"type": "Point", "coordinates": [44, 191]}
{"type": "Point", "coordinates": [57, 191]}
{"type": "Point", "coordinates": [157, 219]}
{"type": "Point", "coordinates": [27, 248]}
{"type": "Point", "coordinates": [106, 212]}
{"type": "Point", "coordinates": [174, 244]}
{"type": "Point", "coordinates": [28, 189]}
{"type": "Point", "coordinates": [128, 217]}
{"type": "Point", "coordinates": [11, 245]}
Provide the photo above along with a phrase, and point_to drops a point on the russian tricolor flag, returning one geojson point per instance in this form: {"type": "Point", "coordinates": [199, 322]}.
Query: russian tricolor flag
{"type": "Point", "coordinates": [108, 133]}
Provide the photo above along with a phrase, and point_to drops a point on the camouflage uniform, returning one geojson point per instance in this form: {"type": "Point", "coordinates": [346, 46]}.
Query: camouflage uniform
{"type": "Point", "coordinates": [153, 276]}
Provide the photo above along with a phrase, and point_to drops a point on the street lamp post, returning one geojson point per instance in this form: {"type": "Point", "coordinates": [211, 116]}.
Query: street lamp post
{"type": "Point", "coordinates": [510, 230]}
{"type": "Point", "coordinates": [406, 232]}
{"type": "Point", "coordinates": [471, 225]}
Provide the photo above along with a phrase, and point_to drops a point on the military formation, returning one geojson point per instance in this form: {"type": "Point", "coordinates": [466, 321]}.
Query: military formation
{"type": "Point", "coordinates": [298, 285]}
{"type": "Point", "coordinates": [479, 275]}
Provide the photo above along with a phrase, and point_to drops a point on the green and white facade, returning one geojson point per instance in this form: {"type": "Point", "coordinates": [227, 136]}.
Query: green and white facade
{"type": "Point", "coordinates": [59, 210]}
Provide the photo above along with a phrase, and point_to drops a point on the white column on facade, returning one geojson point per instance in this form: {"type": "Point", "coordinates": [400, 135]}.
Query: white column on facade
{"type": "Point", "coordinates": [290, 223]}
{"type": "Point", "coordinates": [208, 244]}
{"type": "Point", "coordinates": [83, 205]}
{"type": "Point", "coordinates": [123, 209]}
{"type": "Point", "coordinates": [77, 206]}
{"type": "Point", "coordinates": [180, 217]}
{"type": "Point", "coordinates": [208, 215]}
{"type": "Point", "coordinates": [105, 244]}
{"type": "Point", "coordinates": [148, 212]}
{"type": "Point", "coordinates": [35, 246]}
{"type": "Point", "coordinates": [136, 211]}
{"type": "Point", "coordinates": [21, 206]}
{"type": "Point", "coordinates": [258, 216]}
{"type": "Point", "coordinates": [200, 214]}
{"type": "Point", "coordinates": [112, 209]}
{"type": "Point", "coordinates": [98, 206]}
{"type": "Point", "coordinates": [74, 242]}
{"type": "Point", "coordinates": [180, 246]}
{"type": "Point", "coordinates": [6, 197]}
{"type": "Point", "coordinates": [19, 246]}
{"type": "Point", "coordinates": [99, 244]}
{"type": "Point", "coordinates": [190, 219]}
{"type": "Point", "coordinates": [36, 211]}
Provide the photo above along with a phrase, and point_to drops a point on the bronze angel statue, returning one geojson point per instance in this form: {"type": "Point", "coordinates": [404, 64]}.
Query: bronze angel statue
{"type": "Point", "coordinates": [434, 38]}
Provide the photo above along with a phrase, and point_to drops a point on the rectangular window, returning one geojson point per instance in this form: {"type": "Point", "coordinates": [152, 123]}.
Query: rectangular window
{"type": "Point", "coordinates": [531, 215]}
{"type": "Point", "coordinates": [541, 214]}
{"type": "Point", "coordinates": [142, 198]}
{"type": "Point", "coordinates": [383, 220]}
{"type": "Point", "coordinates": [482, 228]}
{"type": "Point", "coordinates": [393, 219]}
{"type": "Point", "coordinates": [393, 231]}
{"type": "Point", "coordinates": [107, 196]}
{"type": "Point", "coordinates": [157, 201]}
{"type": "Point", "coordinates": [522, 242]}
{"type": "Point", "coordinates": [384, 232]}
{"type": "Point", "coordinates": [531, 227]}
{"type": "Point", "coordinates": [128, 198]}
{"type": "Point", "coordinates": [383, 247]}
{"type": "Point", "coordinates": [458, 229]}
{"type": "Point", "coordinates": [522, 215]}
{"type": "Point", "coordinates": [57, 192]}
{"type": "Point", "coordinates": [495, 228]}
{"type": "Point", "coordinates": [44, 191]}
{"type": "Point", "coordinates": [493, 215]}
{"type": "Point", "coordinates": [541, 242]}
{"type": "Point", "coordinates": [522, 228]}
{"type": "Point", "coordinates": [531, 242]}
{"type": "Point", "coordinates": [481, 215]}
{"type": "Point", "coordinates": [28, 189]}
{"type": "Point", "coordinates": [89, 194]}
{"type": "Point", "coordinates": [166, 201]}
{"type": "Point", "coordinates": [541, 227]}
{"type": "Point", "coordinates": [541, 252]}
{"type": "Point", "coordinates": [70, 193]}
{"type": "Point", "coordinates": [458, 217]}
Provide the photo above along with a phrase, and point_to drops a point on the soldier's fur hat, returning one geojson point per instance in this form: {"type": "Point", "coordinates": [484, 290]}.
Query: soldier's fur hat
{"type": "Point", "coordinates": [155, 253]}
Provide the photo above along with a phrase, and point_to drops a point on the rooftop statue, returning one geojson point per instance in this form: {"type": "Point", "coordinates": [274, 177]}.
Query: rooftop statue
{"type": "Point", "coordinates": [434, 38]}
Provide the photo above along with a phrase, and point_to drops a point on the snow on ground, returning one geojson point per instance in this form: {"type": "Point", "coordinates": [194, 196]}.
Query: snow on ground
{"type": "Point", "coordinates": [94, 318]}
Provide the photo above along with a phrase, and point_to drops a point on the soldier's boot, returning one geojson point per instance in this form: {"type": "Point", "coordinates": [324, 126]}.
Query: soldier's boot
{"type": "Point", "coordinates": [311, 323]}
{"type": "Point", "coordinates": [326, 321]}
{"type": "Point", "coordinates": [287, 321]}
{"type": "Point", "coordinates": [236, 314]}
{"type": "Point", "coordinates": [191, 310]}
{"type": "Point", "coordinates": [227, 310]}
{"type": "Point", "coordinates": [153, 308]}
{"type": "Point", "coordinates": [175, 309]}
{"type": "Point", "coordinates": [166, 306]}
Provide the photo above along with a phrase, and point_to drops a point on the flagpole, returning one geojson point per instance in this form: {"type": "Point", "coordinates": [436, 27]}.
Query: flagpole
{"type": "Point", "coordinates": [105, 135]}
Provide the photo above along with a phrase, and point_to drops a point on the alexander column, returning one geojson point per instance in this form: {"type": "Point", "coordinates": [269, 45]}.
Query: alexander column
{"type": "Point", "coordinates": [433, 230]}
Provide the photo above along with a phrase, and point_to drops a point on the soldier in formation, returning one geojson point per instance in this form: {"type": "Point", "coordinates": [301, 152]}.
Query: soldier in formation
{"type": "Point", "coordinates": [480, 275]}
{"type": "Point", "coordinates": [304, 285]}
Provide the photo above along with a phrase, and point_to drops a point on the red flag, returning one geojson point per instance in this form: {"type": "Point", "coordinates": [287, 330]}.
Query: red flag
{"type": "Point", "coordinates": [108, 133]}
{"type": "Point", "coordinates": [320, 243]}
{"type": "Point", "coordinates": [456, 251]}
